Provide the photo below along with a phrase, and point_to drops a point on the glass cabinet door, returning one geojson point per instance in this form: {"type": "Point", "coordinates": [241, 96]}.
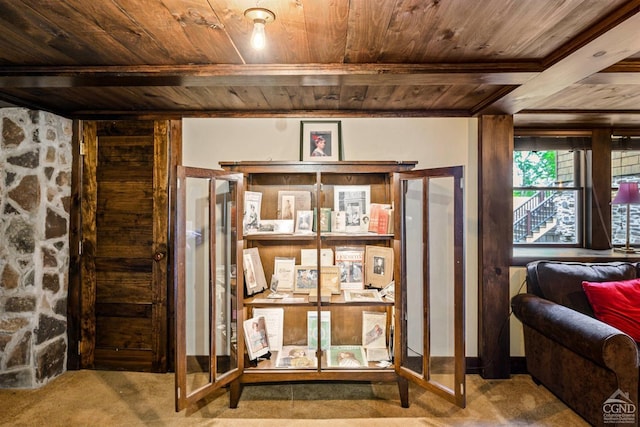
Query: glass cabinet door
{"type": "Point", "coordinates": [206, 292]}
{"type": "Point", "coordinates": [431, 321]}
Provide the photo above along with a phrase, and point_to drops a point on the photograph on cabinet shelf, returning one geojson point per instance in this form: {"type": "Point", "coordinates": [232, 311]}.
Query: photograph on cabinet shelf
{"type": "Point", "coordinates": [289, 202]}
{"type": "Point", "coordinates": [304, 221]}
{"type": "Point", "coordinates": [255, 333]}
{"type": "Point", "coordinates": [379, 266]}
{"type": "Point", "coordinates": [354, 201]}
{"type": "Point", "coordinates": [252, 206]}
{"type": "Point", "coordinates": [306, 279]}
{"type": "Point", "coordinates": [254, 278]}
{"type": "Point", "coordinates": [320, 140]}
{"type": "Point", "coordinates": [325, 220]}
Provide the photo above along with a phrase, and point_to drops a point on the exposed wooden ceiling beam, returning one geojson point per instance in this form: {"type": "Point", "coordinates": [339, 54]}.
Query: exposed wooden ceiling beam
{"type": "Point", "coordinates": [612, 46]}
{"type": "Point", "coordinates": [270, 75]}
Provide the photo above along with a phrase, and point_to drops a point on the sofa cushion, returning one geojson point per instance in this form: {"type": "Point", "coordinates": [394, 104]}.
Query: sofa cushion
{"type": "Point", "coordinates": [616, 303]}
{"type": "Point", "coordinates": [561, 282]}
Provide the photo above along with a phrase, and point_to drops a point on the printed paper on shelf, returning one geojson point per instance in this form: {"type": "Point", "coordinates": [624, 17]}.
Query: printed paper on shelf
{"type": "Point", "coordinates": [274, 319]}
{"type": "Point", "coordinates": [312, 330]}
{"type": "Point", "coordinates": [350, 260]}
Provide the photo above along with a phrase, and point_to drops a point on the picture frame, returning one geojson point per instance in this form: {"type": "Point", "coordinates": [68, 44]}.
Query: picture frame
{"type": "Point", "coordinates": [320, 140]}
{"type": "Point", "coordinates": [378, 266]}
{"type": "Point", "coordinates": [305, 279]}
{"type": "Point", "coordinates": [355, 201]}
{"type": "Point", "coordinates": [254, 278]}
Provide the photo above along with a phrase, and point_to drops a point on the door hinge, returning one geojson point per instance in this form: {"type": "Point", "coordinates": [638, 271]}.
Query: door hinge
{"type": "Point", "coordinates": [80, 247]}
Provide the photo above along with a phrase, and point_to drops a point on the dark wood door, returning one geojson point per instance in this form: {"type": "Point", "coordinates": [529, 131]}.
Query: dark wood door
{"type": "Point", "coordinates": [124, 246]}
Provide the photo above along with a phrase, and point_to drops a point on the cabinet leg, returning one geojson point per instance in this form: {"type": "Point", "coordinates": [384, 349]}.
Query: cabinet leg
{"type": "Point", "coordinates": [235, 390]}
{"type": "Point", "coordinates": [403, 388]}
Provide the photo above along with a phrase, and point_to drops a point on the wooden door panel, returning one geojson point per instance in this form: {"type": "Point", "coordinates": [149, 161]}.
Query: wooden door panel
{"type": "Point", "coordinates": [138, 287]}
{"type": "Point", "coordinates": [128, 360]}
{"type": "Point", "coordinates": [125, 312]}
{"type": "Point", "coordinates": [132, 331]}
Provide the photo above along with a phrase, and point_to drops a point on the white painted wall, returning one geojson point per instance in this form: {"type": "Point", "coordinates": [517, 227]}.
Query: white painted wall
{"type": "Point", "coordinates": [433, 142]}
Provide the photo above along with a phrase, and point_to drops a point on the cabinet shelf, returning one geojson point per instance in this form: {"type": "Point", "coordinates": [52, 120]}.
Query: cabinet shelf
{"type": "Point", "coordinates": [261, 300]}
{"type": "Point", "coordinates": [324, 236]}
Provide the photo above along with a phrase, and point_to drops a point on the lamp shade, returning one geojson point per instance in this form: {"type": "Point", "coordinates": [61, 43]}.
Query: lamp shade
{"type": "Point", "coordinates": [627, 194]}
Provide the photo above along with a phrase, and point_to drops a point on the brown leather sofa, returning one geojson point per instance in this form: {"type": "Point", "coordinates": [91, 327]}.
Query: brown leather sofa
{"type": "Point", "coordinates": [580, 359]}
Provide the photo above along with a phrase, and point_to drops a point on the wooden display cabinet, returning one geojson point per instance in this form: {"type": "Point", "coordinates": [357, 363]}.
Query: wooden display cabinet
{"type": "Point", "coordinates": [213, 299]}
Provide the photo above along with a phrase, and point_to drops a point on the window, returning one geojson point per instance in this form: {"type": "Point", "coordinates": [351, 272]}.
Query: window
{"type": "Point", "coordinates": [547, 200]}
{"type": "Point", "coordinates": [625, 167]}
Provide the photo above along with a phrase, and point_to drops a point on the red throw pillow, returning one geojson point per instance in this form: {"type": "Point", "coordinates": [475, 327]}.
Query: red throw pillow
{"type": "Point", "coordinates": [616, 304]}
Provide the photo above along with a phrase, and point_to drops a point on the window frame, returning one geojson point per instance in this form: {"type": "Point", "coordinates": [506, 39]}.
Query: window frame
{"type": "Point", "coordinates": [551, 144]}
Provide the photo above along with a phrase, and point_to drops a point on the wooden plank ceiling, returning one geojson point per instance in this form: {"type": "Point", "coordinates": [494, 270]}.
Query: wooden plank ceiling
{"type": "Point", "coordinates": [569, 63]}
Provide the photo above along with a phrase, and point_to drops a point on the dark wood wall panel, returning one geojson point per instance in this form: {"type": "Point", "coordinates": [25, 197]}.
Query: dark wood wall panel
{"type": "Point", "coordinates": [495, 242]}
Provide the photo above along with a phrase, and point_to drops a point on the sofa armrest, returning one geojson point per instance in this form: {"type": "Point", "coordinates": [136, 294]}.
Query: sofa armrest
{"type": "Point", "coordinates": [603, 344]}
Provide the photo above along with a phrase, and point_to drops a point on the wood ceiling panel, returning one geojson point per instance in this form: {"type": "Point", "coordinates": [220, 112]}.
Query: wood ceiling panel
{"type": "Point", "coordinates": [368, 23]}
{"type": "Point", "coordinates": [326, 29]}
{"type": "Point", "coordinates": [123, 32]}
{"type": "Point", "coordinates": [414, 57]}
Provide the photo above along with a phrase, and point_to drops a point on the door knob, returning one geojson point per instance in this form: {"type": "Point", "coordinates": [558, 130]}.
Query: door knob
{"type": "Point", "coordinates": [158, 256]}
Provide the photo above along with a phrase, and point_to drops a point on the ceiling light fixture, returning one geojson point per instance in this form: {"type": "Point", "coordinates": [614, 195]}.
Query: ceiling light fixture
{"type": "Point", "coordinates": [260, 17]}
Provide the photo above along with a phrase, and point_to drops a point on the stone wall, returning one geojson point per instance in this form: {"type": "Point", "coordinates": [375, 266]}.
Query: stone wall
{"type": "Point", "coordinates": [35, 190]}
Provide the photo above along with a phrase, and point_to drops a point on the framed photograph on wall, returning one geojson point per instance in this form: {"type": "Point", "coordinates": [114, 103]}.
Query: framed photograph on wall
{"type": "Point", "coordinates": [321, 140]}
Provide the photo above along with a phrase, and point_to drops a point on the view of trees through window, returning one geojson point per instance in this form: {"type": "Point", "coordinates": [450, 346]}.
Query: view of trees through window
{"type": "Point", "coordinates": [547, 198]}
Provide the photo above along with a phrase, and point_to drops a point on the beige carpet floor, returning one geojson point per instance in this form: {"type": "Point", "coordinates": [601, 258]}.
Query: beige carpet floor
{"type": "Point", "coordinates": [100, 398]}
